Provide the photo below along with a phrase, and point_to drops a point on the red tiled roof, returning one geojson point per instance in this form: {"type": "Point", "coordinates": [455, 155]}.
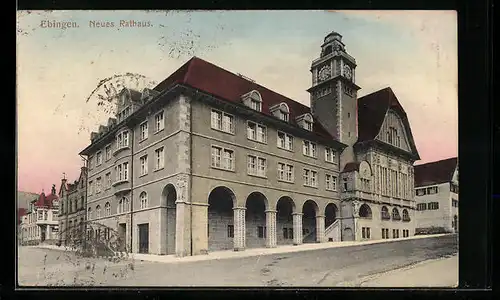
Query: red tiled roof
{"type": "Point", "coordinates": [372, 109]}
{"type": "Point", "coordinates": [46, 201]}
{"type": "Point", "coordinates": [211, 79]}
{"type": "Point", "coordinates": [435, 172]}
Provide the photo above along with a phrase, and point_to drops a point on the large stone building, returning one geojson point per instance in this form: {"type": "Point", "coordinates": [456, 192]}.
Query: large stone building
{"type": "Point", "coordinates": [72, 197]}
{"type": "Point", "coordinates": [40, 224]}
{"type": "Point", "coordinates": [211, 160]}
{"type": "Point", "coordinates": [436, 196]}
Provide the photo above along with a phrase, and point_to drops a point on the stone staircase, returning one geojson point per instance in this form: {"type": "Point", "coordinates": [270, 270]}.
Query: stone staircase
{"type": "Point", "coordinates": [333, 232]}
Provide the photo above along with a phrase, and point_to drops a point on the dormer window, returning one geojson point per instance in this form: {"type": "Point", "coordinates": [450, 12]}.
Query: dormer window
{"type": "Point", "coordinates": [305, 121]}
{"type": "Point", "coordinates": [253, 100]}
{"type": "Point", "coordinates": [281, 111]}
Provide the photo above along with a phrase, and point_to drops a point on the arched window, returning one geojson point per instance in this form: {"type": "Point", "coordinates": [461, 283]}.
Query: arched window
{"type": "Point", "coordinates": [98, 211]}
{"type": "Point", "coordinates": [89, 213]}
{"type": "Point", "coordinates": [119, 208]}
{"type": "Point", "coordinates": [406, 215]}
{"type": "Point", "coordinates": [126, 206]}
{"type": "Point", "coordinates": [144, 200]}
{"type": "Point", "coordinates": [385, 213]}
{"type": "Point", "coordinates": [365, 211]}
{"type": "Point", "coordinates": [107, 209]}
{"type": "Point", "coordinates": [395, 214]}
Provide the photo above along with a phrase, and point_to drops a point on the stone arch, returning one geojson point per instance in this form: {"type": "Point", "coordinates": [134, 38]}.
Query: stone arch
{"type": "Point", "coordinates": [310, 210]}
{"type": "Point", "coordinates": [221, 201]}
{"type": "Point", "coordinates": [365, 211]}
{"type": "Point", "coordinates": [168, 199]}
{"type": "Point", "coordinates": [255, 220]}
{"type": "Point", "coordinates": [285, 207]}
{"type": "Point", "coordinates": [395, 214]}
{"type": "Point", "coordinates": [406, 215]}
{"type": "Point", "coordinates": [331, 214]}
{"type": "Point", "coordinates": [384, 213]}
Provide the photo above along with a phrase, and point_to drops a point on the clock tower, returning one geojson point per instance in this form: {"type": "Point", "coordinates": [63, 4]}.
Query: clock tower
{"type": "Point", "coordinates": [334, 93]}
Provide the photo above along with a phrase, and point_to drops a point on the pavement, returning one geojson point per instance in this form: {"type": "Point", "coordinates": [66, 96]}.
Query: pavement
{"type": "Point", "coordinates": [373, 263]}
{"type": "Point", "coordinates": [227, 254]}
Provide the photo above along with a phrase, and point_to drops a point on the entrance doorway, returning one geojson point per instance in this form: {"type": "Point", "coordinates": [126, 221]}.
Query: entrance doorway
{"type": "Point", "coordinates": [122, 231]}
{"type": "Point", "coordinates": [42, 234]}
{"type": "Point", "coordinates": [143, 238]}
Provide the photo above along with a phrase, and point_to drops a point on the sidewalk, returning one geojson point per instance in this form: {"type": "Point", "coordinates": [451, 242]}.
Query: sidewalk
{"type": "Point", "coordinates": [431, 273]}
{"type": "Point", "coordinates": [253, 252]}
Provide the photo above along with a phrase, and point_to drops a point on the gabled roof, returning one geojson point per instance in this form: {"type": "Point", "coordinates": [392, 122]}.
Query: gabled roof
{"type": "Point", "coordinates": [46, 200]}
{"type": "Point", "coordinates": [435, 172]}
{"type": "Point", "coordinates": [372, 109]}
{"type": "Point", "coordinates": [211, 79]}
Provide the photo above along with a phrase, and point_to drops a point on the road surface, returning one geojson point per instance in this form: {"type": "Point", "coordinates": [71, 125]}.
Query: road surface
{"type": "Point", "coordinates": [318, 268]}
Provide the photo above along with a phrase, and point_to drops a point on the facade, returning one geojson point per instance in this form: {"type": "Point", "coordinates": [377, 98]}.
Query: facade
{"type": "Point", "coordinates": [73, 203]}
{"type": "Point", "coordinates": [40, 224]}
{"type": "Point", "coordinates": [436, 196]}
{"type": "Point", "coordinates": [210, 160]}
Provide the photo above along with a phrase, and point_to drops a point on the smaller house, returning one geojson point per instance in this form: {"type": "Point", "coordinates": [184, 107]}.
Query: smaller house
{"type": "Point", "coordinates": [436, 196]}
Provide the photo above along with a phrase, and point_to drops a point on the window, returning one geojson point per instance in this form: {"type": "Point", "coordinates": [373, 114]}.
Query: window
{"type": "Point", "coordinates": [308, 125]}
{"type": "Point", "coordinates": [395, 233]}
{"type": "Point", "coordinates": [159, 122]}
{"type": "Point", "coordinates": [283, 116]}
{"type": "Point", "coordinates": [256, 132]}
{"type": "Point", "coordinates": [144, 200]}
{"type": "Point", "coordinates": [454, 203]}
{"type": "Point", "coordinates": [91, 187]}
{"type": "Point", "coordinates": [330, 155]}
{"type": "Point", "coordinates": [144, 165]}
{"type": "Point", "coordinates": [107, 178]}
{"type": "Point", "coordinates": [454, 188]}
{"type": "Point", "coordinates": [385, 213]}
{"type": "Point", "coordinates": [255, 105]}
{"type": "Point", "coordinates": [406, 233]}
{"type": "Point", "coordinates": [98, 211]}
{"type": "Point", "coordinates": [222, 158]}
{"type": "Point", "coordinates": [90, 162]}
{"type": "Point", "coordinates": [159, 158]}
{"type": "Point", "coordinates": [395, 214]}
{"type": "Point", "coordinates": [310, 178]}
{"type": "Point", "coordinates": [365, 232]}
{"type": "Point", "coordinates": [143, 131]}
{"type": "Point", "coordinates": [98, 158]}
{"type": "Point", "coordinates": [261, 232]}
{"type": "Point", "coordinates": [230, 231]}
{"type": "Point", "coordinates": [121, 172]}
{"type": "Point", "coordinates": [309, 149]}
{"type": "Point", "coordinates": [107, 209]}
{"type": "Point", "coordinates": [222, 121]}
{"type": "Point", "coordinates": [123, 205]}
{"type": "Point", "coordinates": [285, 172]}
{"type": "Point", "coordinates": [433, 205]}
{"type": "Point", "coordinates": [89, 213]}
{"type": "Point", "coordinates": [421, 206]}
{"type": "Point", "coordinates": [98, 185]}
{"type": "Point", "coordinates": [420, 192]}
{"type": "Point", "coordinates": [432, 190]}
{"type": "Point", "coordinates": [406, 215]}
{"type": "Point", "coordinates": [285, 141]}
{"type": "Point", "coordinates": [256, 166]}
{"type": "Point", "coordinates": [385, 233]}
{"type": "Point", "coordinates": [122, 140]}
{"type": "Point", "coordinates": [331, 182]}
{"type": "Point", "coordinates": [108, 152]}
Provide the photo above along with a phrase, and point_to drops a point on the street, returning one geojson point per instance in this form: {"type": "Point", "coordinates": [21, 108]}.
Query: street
{"type": "Point", "coordinates": [346, 266]}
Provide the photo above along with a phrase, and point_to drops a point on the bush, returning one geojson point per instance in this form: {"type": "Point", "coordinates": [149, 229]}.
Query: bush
{"type": "Point", "coordinates": [431, 230]}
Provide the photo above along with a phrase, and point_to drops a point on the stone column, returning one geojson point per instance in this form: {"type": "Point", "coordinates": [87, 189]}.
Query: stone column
{"type": "Point", "coordinates": [271, 228]}
{"type": "Point", "coordinates": [320, 228]}
{"type": "Point", "coordinates": [297, 228]}
{"type": "Point", "coordinates": [239, 228]}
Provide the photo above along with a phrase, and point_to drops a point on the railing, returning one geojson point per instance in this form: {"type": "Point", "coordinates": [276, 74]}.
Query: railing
{"type": "Point", "coordinates": [334, 226]}
{"type": "Point", "coordinates": [306, 237]}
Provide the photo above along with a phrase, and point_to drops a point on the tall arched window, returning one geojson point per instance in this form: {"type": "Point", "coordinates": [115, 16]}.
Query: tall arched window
{"type": "Point", "coordinates": [107, 209]}
{"type": "Point", "coordinates": [98, 211]}
{"type": "Point", "coordinates": [406, 215]}
{"type": "Point", "coordinates": [395, 214]}
{"type": "Point", "coordinates": [385, 213]}
{"type": "Point", "coordinates": [89, 213]}
{"type": "Point", "coordinates": [119, 208]}
{"type": "Point", "coordinates": [144, 200]}
{"type": "Point", "coordinates": [365, 211]}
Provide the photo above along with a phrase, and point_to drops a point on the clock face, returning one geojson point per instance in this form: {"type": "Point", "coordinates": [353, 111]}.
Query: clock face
{"type": "Point", "coordinates": [324, 73]}
{"type": "Point", "coordinates": [347, 71]}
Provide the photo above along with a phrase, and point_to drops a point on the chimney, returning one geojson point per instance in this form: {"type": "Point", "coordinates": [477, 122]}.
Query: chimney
{"type": "Point", "coordinates": [93, 135]}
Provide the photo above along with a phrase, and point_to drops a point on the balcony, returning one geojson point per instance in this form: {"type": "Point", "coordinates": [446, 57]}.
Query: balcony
{"type": "Point", "coordinates": [121, 186]}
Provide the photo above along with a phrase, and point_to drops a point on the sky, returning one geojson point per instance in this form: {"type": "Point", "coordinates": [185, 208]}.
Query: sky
{"type": "Point", "coordinates": [413, 52]}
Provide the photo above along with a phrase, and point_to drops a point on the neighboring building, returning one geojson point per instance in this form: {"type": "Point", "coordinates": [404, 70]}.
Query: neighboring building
{"type": "Point", "coordinates": [72, 205]}
{"type": "Point", "coordinates": [210, 160]}
{"type": "Point", "coordinates": [24, 199]}
{"type": "Point", "coordinates": [436, 196]}
{"type": "Point", "coordinates": [21, 212]}
{"type": "Point", "coordinates": [40, 224]}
